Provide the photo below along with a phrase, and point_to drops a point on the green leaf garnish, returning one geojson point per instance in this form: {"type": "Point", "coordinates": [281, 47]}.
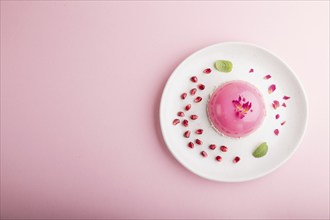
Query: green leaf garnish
{"type": "Point", "coordinates": [261, 150]}
{"type": "Point", "coordinates": [223, 66]}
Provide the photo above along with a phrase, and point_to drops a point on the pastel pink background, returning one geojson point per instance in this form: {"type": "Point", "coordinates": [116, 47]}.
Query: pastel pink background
{"type": "Point", "coordinates": [80, 91]}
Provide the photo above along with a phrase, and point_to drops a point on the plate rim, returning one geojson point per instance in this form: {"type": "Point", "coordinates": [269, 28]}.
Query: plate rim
{"type": "Point", "coordinates": [169, 80]}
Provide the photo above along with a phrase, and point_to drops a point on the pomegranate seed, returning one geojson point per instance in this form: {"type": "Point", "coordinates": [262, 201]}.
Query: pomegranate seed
{"type": "Point", "coordinates": [199, 142]}
{"type": "Point", "coordinates": [176, 121]}
{"type": "Point", "coordinates": [199, 131]}
{"type": "Point", "coordinates": [180, 114]}
{"type": "Point", "coordinates": [236, 159]}
{"type": "Point", "coordinates": [198, 99]}
{"type": "Point", "coordinates": [204, 154]}
{"type": "Point", "coordinates": [185, 123]}
{"type": "Point", "coordinates": [191, 145]}
{"type": "Point", "coordinates": [194, 79]}
{"type": "Point", "coordinates": [284, 105]}
{"type": "Point", "coordinates": [201, 86]}
{"type": "Point", "coordinates": [286, 97]}
{"type": "Point", "coordinates": [276, 132]}
{"type": "Point", "coordinates": [186, 134]}
{"type": "Point", "coordinates": [251, 70]}
{"type": "Point", "coordinates": [207, 71]}
{"type": "Point", "coordinates": [283, 123]}
{"type": "Point", "coordinates": [277, 116]}
{"type": "Point", "coordinates": [193, 117]}
{"type": "Point", "coordinates": [212, 146]}
{"type": "Point", "coordinates": [183, 95]}
{"type": "Point", "coordinates": [193, 91]}
{"type": "Point", "coordinates": [223, 148]}
{"type": "Point", "coordinates": [187, 107]}
{"type": "Point", "coordinates": [218, 158]}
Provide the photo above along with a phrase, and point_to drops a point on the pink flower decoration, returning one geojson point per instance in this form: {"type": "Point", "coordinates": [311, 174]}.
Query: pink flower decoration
{"type": "Point", "coordinates": [241, 107]}
{"type": "Point", "coordinates": [267, 77]}
{"type": "Point", "coordinates": [271, 88]}
{"type": "Point", "coordinates": [276, 104]}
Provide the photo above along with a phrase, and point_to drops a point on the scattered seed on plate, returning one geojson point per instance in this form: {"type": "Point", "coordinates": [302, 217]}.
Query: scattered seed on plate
{"type": "Point", "coordinates": [198, 99]}
{"type": "Point", "coordinates": [284, 105]}
{"type": "Point", "coordinates": [199, 131]}
{"type": "Point", "coordinates": [207, 71]}
{"type": "Point", "coordinates": [176, 121]}
{"type": "Point", "coordinates": [191, 145]}
{"type": "Point", "coordinates": [283, 123]}
{"type": "Point", "coordinates": [187, 107]}
{"type": "Point", "coordinates": [183, 95]}
{"type": "Point", "coordinates": [212, 146]}
{"type": "Point", "coordinates": [277, 116]}
{"type": "Point", "coordinates": [236, 159]}
{"type": "Point", "coordinates": [203, 153]}
{"type": "Point", "coordinates": [185, 123]}
{"type": "Point", "coordinates": [194, 79]}
{"type": "Point", "coordinates": [180, 114]}
{"type": "Point", "coordinates": [201, 86]}
{"type": "Point", "coordinates": [223, 148]}
{"type": "Point", "coordinates": [218, 158]}
{"type": "Point", "coordinates": [193, 91]}
{"type": "Point", "coordinates": [198, 141]}
{"type": "Point", "coordinates": [286, 97]}
{"type": "Point", "coordinates": [276, 132]}
{"type": "Point", "coordinates": [251, 70]}
{"type": "Point", "coordinates": [193, 117]}
{"type": "Point", "coordinates": [186, 134]}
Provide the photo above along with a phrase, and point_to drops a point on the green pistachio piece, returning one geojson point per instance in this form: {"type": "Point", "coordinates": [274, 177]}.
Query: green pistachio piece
{"type": "Point", "coordinates": [261, 150]}
{"type": "Point", "coordinates": [223, 66]}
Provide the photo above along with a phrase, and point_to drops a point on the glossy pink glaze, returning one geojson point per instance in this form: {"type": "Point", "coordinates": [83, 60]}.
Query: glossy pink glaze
{"type": "Point", "coordinates": [223, 114]}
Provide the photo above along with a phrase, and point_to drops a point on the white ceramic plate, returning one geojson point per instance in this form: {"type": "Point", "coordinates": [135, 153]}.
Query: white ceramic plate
{"type": "Point", "coordinates": [244, 57]}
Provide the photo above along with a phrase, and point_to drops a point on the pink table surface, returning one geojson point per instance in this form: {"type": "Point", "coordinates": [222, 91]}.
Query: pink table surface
{"type": "Point", "coordinates": [80, 91]}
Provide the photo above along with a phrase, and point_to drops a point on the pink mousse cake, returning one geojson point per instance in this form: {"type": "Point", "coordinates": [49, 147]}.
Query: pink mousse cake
{"type": "Point", "coordinates": [236, 109]}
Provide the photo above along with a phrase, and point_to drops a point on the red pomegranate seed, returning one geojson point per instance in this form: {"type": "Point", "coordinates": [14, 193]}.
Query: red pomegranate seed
{"type": "Point", "coordinates": [277, 116]}
{"type": "Point", "coordinates": [199, 142]}
{"type": "Point", "coordinates": [180, 114]}
{"type": "Point", "coordinates": [204, 154]}
{"type": "Point", "coordinates": [251, 70]}
{"type": "Point", "coordinates": [286, 97]}
{"type": "Point", "coordinates": [199, 131]}
{"type": "Point", "coordinates": [176, 121]}
{"type": "Point", "coordinates": [193, 91]}
{"type": "Point", "coordinates": [276, 132]}
{"type": "Point", "coordinates": [212, 146]}
{"type": "Point", "coordinates": [201, 86]}
{"type": "Point", "coordinates": [207, 71]}
{"type": "Point", "coordinates": [218, 158]}
{"type": "Point", "coordinates": [193, 117]}
{"type": "Point", "coordinates": [194, 79]}
{"type": "Point", "coordinates": [284, 105]}
{"type": "Point", "coordinates": [223, 148]}
{"type": "Point", "coordinates": [236, 159]}
{"type": "Point", "coordinates": [191, 145]}
{"type": "Point", "coordinates": [185, 123]}
{"type": "Point", "coordinates": [283, 123]}
{"type": "Point", "coordinates": [183, 95]}
{"type": "Point", "coordinates": [198, 99]}
{"type": "Point", "coordinates": [187, 107]}
{"type": "Point", "coordinates": [186, 134]}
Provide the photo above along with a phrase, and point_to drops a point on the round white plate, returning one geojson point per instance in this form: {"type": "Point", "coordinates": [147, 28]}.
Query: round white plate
{"type": "Point", "coordinates": [244, 57]}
